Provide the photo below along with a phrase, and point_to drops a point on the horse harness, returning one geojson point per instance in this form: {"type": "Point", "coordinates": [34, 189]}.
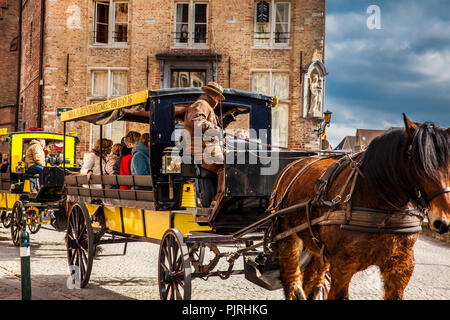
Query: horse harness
{"type": "Point", "coordinates": [370, 220]}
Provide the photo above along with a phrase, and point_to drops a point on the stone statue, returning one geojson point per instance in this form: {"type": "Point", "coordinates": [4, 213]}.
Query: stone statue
{"type": "Point", "coordinates": [315, 107]}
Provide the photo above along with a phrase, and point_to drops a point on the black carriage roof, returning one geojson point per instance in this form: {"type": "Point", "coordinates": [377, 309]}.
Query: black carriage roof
{"type": "Point", "coordinates": [135, 107]}
{"type": "Point", "coordinates": [228, 93]}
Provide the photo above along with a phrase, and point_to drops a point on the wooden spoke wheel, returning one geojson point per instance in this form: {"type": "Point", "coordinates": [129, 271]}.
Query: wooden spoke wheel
{"type": "Point", "coordinates": [79, 244]}
{"type": "Point", "coordinates": [174, 267]}
{"type": "Point", "coordinates": [34, 218]}
{"type": "Point", "coordinates": [7, 217]}
{"type": "Point", "coordinates": [17, 214]}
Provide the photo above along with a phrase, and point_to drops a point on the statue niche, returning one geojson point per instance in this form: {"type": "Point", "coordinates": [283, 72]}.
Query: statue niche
{"type": "Point", "coordinates": [313, 90]}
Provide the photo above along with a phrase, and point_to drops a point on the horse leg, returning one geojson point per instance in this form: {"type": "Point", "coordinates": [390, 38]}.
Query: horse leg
{"type": "Point", "coordinates": [313, 278]}
{"type": "Point", "coordinates": [289, 250]}
{"type": "Point", "coordinates": [396, 273]}
{"type": "Point", "coordinates": [341, 274]}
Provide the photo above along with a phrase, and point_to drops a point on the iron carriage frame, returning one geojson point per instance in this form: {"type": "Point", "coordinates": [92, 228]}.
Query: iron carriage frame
{"type": "Point", "coordinates": [173, 213]}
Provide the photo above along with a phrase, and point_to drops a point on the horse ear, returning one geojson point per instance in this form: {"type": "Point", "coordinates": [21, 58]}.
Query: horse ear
{"type": "Point", "coordinates": [448, 130]}
{"type": "Point", "coordinates": [410, 128]}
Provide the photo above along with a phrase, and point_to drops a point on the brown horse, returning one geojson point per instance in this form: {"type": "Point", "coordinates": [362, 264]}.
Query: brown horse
{"type": "Point", "coordinates": [401, 169]}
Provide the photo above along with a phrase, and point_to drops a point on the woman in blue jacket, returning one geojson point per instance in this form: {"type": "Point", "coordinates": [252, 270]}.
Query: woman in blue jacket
{"type": "Point", "coordinates": [140, 163]}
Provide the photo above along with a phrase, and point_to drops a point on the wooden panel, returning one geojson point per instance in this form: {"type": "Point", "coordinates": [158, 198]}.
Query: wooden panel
{"type": "Point", "coordinates": [84, 192]}
{"type": "Point", "coordinates": [157, 223]}
{"type": "Point", "coordinates": [112, 193]}
{"type": "Point", "coordinates": [143, 181]}
{"type": "Point", "coordinates": [110, 180]}
{"type": "Point", "coordinates": [112, 218]}
{"type": "Point", "coordinates": [125, 180]}
{"type": "Point", "coordinates": [137, 195]}
{"type": "Point", "coordinates": [97, 193]}
{"type": "Point", "coordinates": [72, 191]}
{"type": "Point", "coordinates": [72, 180]}
{"type": "Point", "coordinates": [132, 221]}
{"type": "Point", "coordinates": [81, 179]}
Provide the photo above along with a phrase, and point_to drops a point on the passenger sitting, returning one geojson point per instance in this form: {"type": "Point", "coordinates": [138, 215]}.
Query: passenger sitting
{"type": "Point", "coordinates": [112, 159]}
{"type": "Point", "coordinates": [140, 163]}
{"type": "Point", "coordinates": [35, 158]}
{"type": "Point", "coordinates": [124, 151]}
{"type": "Point", "coordinates": [91, 160]}
{"type": "Point", "coordinates": [131, 139]}
{"type": "Point", "coordinates": [5, 163]}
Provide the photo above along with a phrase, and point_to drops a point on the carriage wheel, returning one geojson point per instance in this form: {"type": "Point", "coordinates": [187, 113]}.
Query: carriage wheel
{"type": "Point", "coordinates": [79, 244]}
{"type": "Point", "coordinates": [174, 268]}
{"type": "Point", "coordinates": [7, 219]}
{"type": "Point", "coordinates": [34, 218]}
{"type": "Point", "coordinates": [17, 213]}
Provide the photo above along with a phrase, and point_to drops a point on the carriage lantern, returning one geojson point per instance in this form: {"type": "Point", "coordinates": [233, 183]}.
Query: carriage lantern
{"type": "Point", "coordinates": [171, 161]}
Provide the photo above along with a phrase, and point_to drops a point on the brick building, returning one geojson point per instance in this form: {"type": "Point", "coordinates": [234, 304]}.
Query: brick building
{"type": "Point", "coordinates": [84, 51]}
{"type": "Point", "coordinates": [9, 58]}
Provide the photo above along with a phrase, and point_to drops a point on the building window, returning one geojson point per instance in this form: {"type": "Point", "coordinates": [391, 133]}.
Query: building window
{"type": "Point", "coordinates": [188, 78]}
{"type": "Point", "coordinates": [108, 84]}
{"type": "Point", "coordinates": [120, 33]}
{"type": "Point", "coordinates": [114, 131]}
{"type": "Point", "coordinates": [272, 20]}
{"type": "Point", "coordinates": [273, 83]}
{"type": "Point", "coordinates": [191, 24]}
{"type": "Point", "coordinates": [110, 22]}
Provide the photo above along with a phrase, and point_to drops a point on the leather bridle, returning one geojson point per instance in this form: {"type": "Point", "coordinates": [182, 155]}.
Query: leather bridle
{"type": "Point", "coordinates": [426, 199]}
{"type": "Point", "coordinates": [438, 193]}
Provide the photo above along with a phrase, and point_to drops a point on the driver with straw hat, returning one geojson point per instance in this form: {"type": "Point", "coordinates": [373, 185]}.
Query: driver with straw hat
{"type": "Point", "coordinates": [202, 133]}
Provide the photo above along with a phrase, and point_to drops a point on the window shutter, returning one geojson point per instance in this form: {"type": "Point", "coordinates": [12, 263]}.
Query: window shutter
{"type": "Point", "coordinates": [262, 11]}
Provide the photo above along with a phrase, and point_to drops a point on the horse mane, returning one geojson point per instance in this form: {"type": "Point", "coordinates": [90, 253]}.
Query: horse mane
{"type": "Point", "coordinates": [393, 166]}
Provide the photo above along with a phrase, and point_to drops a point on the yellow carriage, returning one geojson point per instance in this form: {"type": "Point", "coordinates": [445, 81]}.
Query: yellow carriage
{"type": "Point", "coordinates": [21, 195]}
{"type": "Point", "coordinates": [171, 206]}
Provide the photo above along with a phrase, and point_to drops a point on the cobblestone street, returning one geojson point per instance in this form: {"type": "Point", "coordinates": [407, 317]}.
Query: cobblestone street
{"type": "Point", "coordinates": [134, 276]}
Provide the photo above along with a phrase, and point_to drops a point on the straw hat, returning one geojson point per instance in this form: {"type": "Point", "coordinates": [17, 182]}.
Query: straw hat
{"type": "Point", "coordinates": [214, 87]}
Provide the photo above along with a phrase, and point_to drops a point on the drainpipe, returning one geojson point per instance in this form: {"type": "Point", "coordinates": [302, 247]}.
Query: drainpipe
{"type": "Point", "coordinates": [19, 67]}
{"type": "Point", "coordinates": [41, 66]}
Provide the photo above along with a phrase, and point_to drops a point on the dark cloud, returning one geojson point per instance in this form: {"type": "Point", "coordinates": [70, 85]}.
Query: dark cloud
{"type": "Point", "coordinates": [375, 75]}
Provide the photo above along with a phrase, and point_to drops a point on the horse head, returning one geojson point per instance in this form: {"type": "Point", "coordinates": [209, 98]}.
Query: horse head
{"type": "Point", "coordinates": [429, 157]}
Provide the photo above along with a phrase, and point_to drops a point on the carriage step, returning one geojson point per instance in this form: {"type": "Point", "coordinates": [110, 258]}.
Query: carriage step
{"type": "Point", "coordinates": [202, 215]}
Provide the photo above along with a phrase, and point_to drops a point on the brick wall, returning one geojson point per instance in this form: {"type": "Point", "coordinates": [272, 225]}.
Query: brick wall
{"type": "Point", "coordinates": [69, 30]}
{"type": "Point", "coordinates": [9, 32]}
{"type": "Point", "coordinates": [29, 84]}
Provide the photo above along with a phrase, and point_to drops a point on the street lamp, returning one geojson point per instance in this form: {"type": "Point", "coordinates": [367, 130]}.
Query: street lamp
{"type": "Point", "coordinates": [325, 123]}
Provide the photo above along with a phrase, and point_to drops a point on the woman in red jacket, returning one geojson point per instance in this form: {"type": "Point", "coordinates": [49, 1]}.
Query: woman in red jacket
{"type": "Point", "coordinates": [131, 139]}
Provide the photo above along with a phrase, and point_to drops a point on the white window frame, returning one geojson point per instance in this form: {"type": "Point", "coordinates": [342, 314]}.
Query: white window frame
{"type": "Point", "coordinates": [287, 101]}
{"type": "Point", "coordinates": [111, 23]}
{"type": "Point", "coordinates": [191, 25]}
{"type": "Point", "coordinates": [271, 72]}
{"type": "Point", "coordinates": [272, 26]}
{"type": "Point", "coordinates": [109, 94]}
{"type": "Point", "coordinates": [107, 132]}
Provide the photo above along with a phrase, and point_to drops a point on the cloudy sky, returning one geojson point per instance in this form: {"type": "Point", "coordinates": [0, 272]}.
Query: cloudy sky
{"type": "Point", "coordinates": [377, 74]}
